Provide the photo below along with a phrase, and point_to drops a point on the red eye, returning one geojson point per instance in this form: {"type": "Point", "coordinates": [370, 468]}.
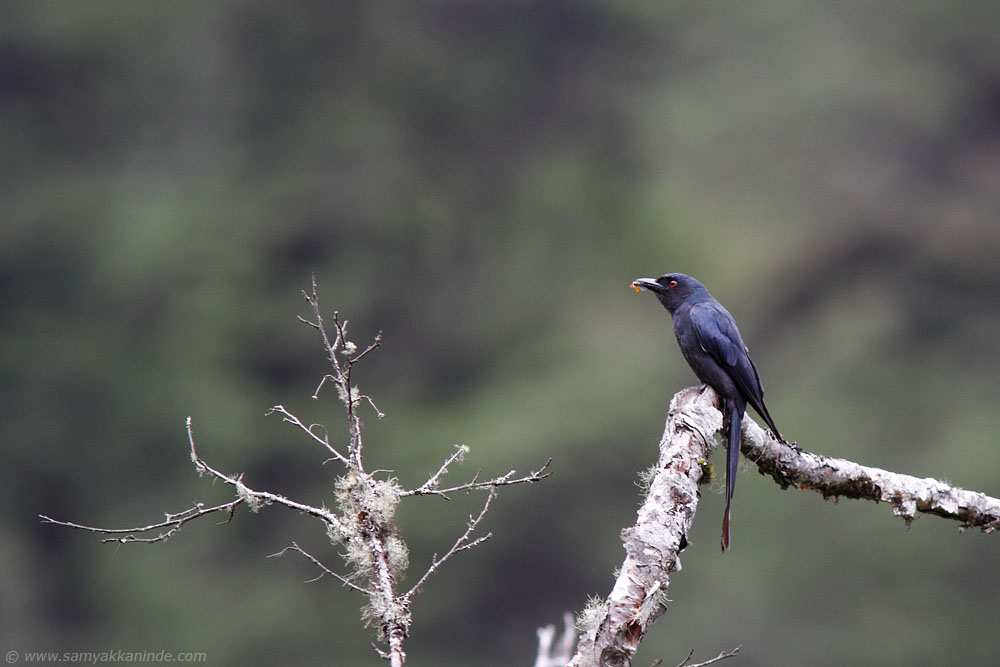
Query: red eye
{"type": "Point", "coordinates": [673, 283]}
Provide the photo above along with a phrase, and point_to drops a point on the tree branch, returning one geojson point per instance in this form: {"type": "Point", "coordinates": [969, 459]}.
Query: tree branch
{"type": "Point", "coordinates": [555, 650]}
{"type": "Point", "coordinates": [287, 416]}
{"type": "Point", "coordinates": [612, 629]}
{"type": "Point", "coordinates": [363, 524]}
{"type": "Point", "coordinates": [431, 486]}
{"type": "Point", "coordinates": [908, 496]}
{"type": "Point", "coordinates": [722, 656]}
{"type": "Point", "coordinates": [257, 498]}
{"type": "Point", "coordinates": [172, 524]}
{"type": "Point", "coordinates": [461, 544]}
{"type": "Point", "coordinates": [324, 570]}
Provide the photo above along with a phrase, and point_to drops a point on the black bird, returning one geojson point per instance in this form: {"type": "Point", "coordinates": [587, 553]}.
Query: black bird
{"type": "Point", "coordinates": [712, 345]}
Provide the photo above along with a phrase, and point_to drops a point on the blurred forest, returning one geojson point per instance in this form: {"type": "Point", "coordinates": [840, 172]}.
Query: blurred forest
{"type": "Point", "coordinates": [481, 181]}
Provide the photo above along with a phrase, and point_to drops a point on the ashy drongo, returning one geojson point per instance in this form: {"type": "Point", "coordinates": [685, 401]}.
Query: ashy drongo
{"type": "Point", "coordinates": [712, 345]}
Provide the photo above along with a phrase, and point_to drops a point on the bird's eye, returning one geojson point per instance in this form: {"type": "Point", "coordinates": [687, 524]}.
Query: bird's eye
{"type": "Point", "coordinates": [673, 283]}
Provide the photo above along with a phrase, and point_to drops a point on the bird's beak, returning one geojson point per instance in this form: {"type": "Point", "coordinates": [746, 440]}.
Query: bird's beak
{"type": "Point", "coordinates": [640, 284]}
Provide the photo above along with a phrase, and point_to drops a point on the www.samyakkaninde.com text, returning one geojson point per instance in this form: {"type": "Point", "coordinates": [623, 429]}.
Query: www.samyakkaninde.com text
{"type": "Point", "coordinates": [103, 657]}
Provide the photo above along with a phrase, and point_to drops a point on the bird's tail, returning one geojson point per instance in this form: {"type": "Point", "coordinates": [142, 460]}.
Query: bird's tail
{"type": "Point", "coordinates": [736, 410]}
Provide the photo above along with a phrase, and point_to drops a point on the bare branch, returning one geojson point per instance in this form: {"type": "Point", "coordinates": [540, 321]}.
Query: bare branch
{"type": "Point", "coordinates": [319, 387]}
{"type": "Point", "coordinates": [363, 523]}
{"type": "Point", "coordinates": [721, 656]}
{"type": "Point", "coordinates": [305, 321]}
{"type": "Point", "coordinates": [461, 544]}
{"type": "Point", "coordinates": [375, 343]}
{"type": "Point", "coordinates": [287, 416]}
{"type": "Point", "coordinates": [169, 526]}
{"type": "Point", "coordinates": [430, 486]}
{"type": "Point", "coordinates": [257, 498]}
{"type": "Point", "coordinates": [313, 300]}
{"type": "Point", "coordinates": [550, 652]}
{"type": "Point", "coordinates": [324, 570]}
{"type": "Point", "coordinates": [378, 413]}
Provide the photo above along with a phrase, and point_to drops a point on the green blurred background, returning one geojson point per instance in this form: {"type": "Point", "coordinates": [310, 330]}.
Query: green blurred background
{"type": "Point", "coordinates": [481, 181]}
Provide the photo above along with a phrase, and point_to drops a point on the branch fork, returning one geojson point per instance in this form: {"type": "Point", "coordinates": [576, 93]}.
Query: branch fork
{"type": "Point", "coordinates": [363, 524]}
{"type": "Point", "coordinates": [612, 629]}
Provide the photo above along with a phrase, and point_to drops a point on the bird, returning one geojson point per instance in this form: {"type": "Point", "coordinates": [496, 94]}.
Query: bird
{"type": "Point", "coordinates": [712, 345]}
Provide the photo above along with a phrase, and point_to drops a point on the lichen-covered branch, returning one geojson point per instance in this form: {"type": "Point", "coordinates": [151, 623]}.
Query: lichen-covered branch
{"type": "Point", "coordinates": [362, 525]}
{"type": "Point", "coordinates": [908, 496]}
{"type": "Point", "coordinates": [612, 629]}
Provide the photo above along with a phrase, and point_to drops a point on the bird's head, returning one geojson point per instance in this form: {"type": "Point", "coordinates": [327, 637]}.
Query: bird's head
{"type": "Point", "coordinates": [672, 289]}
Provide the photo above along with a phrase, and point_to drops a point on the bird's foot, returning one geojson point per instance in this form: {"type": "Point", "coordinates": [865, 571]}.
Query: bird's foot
{"type": "Point", "coordinates": [718, 399]}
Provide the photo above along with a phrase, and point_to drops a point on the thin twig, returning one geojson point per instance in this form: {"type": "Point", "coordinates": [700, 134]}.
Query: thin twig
{"type": "Point", "coordinates": [173, 523]}
{"type": "Point", "coordinates": [367, 505]}
{"type": "Point", "coordinates": [553, 653]}
{"type": "Point", "coordinates": [319, 387]}
{"type": "Point", "coordinates": [244, 492]}
{"type": "Point", "coordinates": [324, 570]}
{"type": "Point", "coordinates": [431, 485]}
{"type": "Point", "coordinates": [721, 656]}
{"type": "Point", "coordinates": [375, 344]}
{"type": "Point", "coordinates": [313, 300]}
{"type": "Point", "coordinates": [428, 488]}
{"type": "Point", "coordinates": [378, 413]}
{"type": "Point", "coordinates": [461, 544]}
{"type": "Point", "coordinates": [287, 416]}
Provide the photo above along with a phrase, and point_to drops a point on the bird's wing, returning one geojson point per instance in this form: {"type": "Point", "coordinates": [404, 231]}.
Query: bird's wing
{"type": "Point", "coordinates": [719, 337]}
{"type": "Point", "coordinates": [717, 333]}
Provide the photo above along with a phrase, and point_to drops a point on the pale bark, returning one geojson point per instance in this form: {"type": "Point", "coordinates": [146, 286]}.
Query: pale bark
{"type": "Point", "coordinates": [611, 634]}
